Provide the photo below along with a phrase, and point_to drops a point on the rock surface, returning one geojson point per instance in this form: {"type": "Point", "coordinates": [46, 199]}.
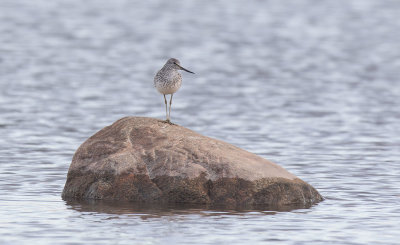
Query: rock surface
{"type": "Point", "coordinates": [147, 160]}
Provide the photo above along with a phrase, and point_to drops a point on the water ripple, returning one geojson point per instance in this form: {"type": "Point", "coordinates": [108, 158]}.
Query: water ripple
{"type": "Point", "coordinates": [311, 85]}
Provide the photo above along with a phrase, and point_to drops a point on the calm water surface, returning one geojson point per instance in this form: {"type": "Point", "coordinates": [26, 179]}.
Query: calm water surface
{"type": "Point", "coordinates": [311, 85]}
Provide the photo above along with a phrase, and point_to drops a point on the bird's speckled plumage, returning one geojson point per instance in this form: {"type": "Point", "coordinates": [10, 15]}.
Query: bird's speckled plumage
{"type": "Point", "coordinates": [168, 80]}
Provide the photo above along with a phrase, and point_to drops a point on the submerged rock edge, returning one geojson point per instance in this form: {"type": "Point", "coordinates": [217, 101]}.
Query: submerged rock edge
{"type": "Point", "coordinates": [175, 189]}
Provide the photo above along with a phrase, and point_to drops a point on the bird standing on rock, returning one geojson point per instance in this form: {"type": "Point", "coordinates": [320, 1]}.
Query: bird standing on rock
{"type": "Point", "coordinates": [168, 80]}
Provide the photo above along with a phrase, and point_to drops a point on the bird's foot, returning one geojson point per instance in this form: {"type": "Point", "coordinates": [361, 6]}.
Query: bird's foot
{"type": "Point", "coordinates": [169, 122]}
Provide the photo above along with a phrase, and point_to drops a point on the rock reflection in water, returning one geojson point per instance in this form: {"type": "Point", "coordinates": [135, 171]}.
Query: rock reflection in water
{"type": "Point", "coordinates": [162, 209]}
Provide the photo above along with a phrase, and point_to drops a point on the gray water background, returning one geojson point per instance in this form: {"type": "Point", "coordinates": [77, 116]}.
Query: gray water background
{"type": "Point", "coordinates": [311, 85]}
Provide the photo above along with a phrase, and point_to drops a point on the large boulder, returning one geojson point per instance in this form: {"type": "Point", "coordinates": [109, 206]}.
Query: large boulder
{"type": "Point", "coordinates": [147, 160]}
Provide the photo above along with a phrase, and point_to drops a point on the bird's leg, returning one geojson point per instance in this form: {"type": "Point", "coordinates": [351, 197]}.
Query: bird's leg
{"type": "Point", "coordinates": [170, 103]}
{"type": "Point", "coordinates": [166, 110]}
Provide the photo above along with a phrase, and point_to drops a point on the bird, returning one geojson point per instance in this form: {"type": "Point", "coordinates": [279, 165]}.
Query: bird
{"type": "Point", "coordinates": [167, 81]}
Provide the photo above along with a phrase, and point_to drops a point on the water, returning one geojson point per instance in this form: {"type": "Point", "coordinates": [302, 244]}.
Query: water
{"type": "Point", "coordinates": [311, 85]}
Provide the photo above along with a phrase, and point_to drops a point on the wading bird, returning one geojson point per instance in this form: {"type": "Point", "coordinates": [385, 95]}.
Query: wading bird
{"type": "Point", "coordinates": [168, 80]}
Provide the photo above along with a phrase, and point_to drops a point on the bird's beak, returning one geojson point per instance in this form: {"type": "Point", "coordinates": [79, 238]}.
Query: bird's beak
{"type": "Point", "coordinates": [185, 69]}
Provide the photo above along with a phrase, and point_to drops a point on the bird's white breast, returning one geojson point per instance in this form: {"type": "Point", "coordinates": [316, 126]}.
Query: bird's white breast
{"type": "Point", "coordinates": [168, 82]}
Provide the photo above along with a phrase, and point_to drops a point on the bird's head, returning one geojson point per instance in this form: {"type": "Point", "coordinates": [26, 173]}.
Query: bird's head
{"type": "Point", "coordinates": [175, 64]}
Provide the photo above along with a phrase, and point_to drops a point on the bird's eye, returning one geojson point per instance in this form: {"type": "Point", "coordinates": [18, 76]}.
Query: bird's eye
{"type": "Point", "coordinates": [175, 63]}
